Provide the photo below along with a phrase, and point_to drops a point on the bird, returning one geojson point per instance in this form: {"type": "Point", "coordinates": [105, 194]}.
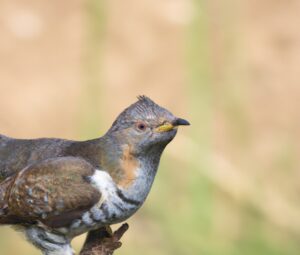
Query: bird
{"type": "Point", "coordinates": [55, 189]}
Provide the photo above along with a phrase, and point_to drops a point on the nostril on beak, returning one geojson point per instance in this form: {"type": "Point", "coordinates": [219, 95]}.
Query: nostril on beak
{"type": "Point", "coordinates": [180, 122]}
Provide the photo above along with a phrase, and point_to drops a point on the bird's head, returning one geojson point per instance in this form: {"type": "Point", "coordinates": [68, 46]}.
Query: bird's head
{"type": "Point", "coordinates": [145, 126]}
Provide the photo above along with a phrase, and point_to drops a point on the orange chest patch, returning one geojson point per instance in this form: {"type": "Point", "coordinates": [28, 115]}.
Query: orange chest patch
{"type": "Point", "coordinates": [128, 164]}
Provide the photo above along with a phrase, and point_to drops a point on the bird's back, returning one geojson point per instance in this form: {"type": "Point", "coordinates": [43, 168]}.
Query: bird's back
{"type": "Point", "coordinates": [15, 154]}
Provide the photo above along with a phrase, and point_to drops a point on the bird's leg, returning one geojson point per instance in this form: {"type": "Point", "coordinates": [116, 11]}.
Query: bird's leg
{"type": "Point", "coordinates": [49, 243]}
{"type": "Point", "coordinates": [103, 241]}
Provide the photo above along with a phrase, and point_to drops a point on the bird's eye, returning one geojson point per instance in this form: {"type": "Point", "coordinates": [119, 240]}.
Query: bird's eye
{"type": "Point", "coordinates": [141, 126]}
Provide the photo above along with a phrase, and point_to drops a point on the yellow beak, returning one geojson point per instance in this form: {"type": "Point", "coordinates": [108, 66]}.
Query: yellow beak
{"type": "Point", "coordinates": [164, 127]}
{"type": "Point", "coordinates": [167, 126]}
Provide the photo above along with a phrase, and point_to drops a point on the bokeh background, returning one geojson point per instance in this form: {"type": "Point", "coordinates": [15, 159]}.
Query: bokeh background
{"type": "Point", "coordinates": [228, 184]}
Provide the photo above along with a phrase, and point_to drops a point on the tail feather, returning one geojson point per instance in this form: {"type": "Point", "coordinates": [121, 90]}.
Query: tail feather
{"type": "Point", "coordinates": [3, 142]}
{"type": "Point", "coordinates": [4, 189]}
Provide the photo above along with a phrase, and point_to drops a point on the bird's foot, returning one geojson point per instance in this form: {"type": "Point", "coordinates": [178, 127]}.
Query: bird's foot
{"type": "Point", "coordinates": [103, 241]}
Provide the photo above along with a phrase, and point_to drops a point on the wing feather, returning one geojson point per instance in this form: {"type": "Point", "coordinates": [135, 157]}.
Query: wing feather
{"type": "Point", "coordinates": [55, 191]}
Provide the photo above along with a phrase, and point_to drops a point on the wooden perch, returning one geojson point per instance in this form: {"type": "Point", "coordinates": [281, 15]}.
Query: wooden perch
{"type": "Point", "coordinates": [103, 241]}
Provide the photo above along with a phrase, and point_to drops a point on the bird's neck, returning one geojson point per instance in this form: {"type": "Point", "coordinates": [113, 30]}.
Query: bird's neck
{"type": "Point", "coordinates": [144, 176]}
{"type": "Point", "coordinates": [133, 174]}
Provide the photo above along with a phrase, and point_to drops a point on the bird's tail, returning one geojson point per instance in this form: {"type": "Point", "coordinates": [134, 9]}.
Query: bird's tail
{"type": "Point", "coordinates": [3, 142]}
{"type": "Point", "coordinates": [5, 185]}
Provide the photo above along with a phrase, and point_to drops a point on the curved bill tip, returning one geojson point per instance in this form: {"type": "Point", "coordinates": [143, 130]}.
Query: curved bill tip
{"type": "Point", "coordinates": [181, 122]}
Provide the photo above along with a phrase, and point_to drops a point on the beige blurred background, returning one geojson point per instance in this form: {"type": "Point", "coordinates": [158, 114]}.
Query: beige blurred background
{"type": "Point", "coordinates": [228, 184]}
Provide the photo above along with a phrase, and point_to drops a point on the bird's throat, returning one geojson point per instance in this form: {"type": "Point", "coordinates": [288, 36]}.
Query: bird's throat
{"type": "Point", "coordinates": [134, 174]}
{"type": "Point", "coordinates": [120, 163]}
{"type": "Point", "coordinates": [129, 166]}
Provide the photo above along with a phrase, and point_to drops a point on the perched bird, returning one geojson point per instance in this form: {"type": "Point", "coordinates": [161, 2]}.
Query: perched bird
{"type": "Point", "coordinates": [55, 189]}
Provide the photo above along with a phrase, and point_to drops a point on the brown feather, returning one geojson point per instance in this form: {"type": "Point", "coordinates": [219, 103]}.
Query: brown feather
{"type": "Point", "coordinates": [54, 191]}
{"type": "Point", "coordinates": [128, 166]}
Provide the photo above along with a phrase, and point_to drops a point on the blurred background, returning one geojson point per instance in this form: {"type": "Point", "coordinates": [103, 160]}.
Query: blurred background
{"type": "Point", "coordinates": [228, 184]}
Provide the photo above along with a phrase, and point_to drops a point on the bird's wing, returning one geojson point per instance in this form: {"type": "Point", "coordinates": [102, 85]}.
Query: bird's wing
{"type": "Point", "coordinates": [55, 191]}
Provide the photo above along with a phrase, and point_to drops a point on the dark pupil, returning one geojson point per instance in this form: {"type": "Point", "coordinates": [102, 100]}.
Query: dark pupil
{"type": "Point", "coordinates": [141, 126]}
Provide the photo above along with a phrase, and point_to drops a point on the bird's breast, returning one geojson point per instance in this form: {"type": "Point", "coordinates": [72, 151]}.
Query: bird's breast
{"type": "Point", "coordinates": [114, 206]}
{"type": "Point", "coordinates": [116, 203]}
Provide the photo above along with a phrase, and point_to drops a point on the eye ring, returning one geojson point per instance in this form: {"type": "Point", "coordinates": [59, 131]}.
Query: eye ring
{"type": "Point", "coordinates": [141, 126]}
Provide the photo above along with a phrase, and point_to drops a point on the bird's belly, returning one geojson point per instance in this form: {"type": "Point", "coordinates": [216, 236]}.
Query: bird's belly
{"type": "Point", "coordinates": [106, 213]}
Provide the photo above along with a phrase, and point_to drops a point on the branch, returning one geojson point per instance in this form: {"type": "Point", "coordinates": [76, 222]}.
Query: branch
{"type": "Point", "coordinates": [103, 241]}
